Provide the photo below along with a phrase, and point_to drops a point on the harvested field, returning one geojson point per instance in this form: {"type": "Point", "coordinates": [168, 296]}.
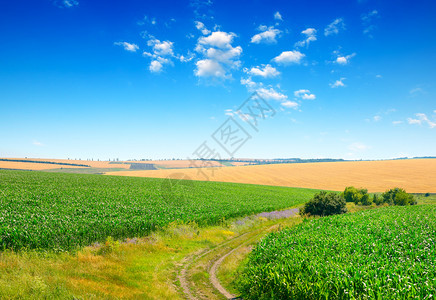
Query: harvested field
{"type": "Point", "coordinates": [414, 175]}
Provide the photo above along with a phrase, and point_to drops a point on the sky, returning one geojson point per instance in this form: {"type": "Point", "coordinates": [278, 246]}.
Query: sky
{"type": "Point", "coordinates": [352, 79]}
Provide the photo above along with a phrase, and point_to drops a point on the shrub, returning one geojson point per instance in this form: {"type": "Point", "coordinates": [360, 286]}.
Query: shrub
{"type": "Point", "coordinates": [377, 200]}
{"type": "Point", "coordinates": [325, 204]}
{"type": "Point", "coordinates": [398, 196]}
{"type": "Point", "coordinates": [351, 194]}
{"type": "Point", "coordinates": [427, 195]}
{"type": "Point", "coordinates": [366, 200]}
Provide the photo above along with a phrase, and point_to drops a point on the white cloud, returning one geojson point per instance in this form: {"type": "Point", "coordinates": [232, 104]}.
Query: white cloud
{"type": "Point", "coordinates": [310, 34]}
{"type": "Point", "coordinates": [162, 52]}
{"type": "Point", "coordinates": [378, 76]}
{"type": "Point", "coordinates": [145, 20]}
{"type": "Point", "coordinates": [334, 27]}
{"type": "Point", "coordinates": [289, 57]}
{"type": "Point", "coordinates": [155, 66]}
{"type": "Point", "coordinates": [290, 104]}
{"type": "Point", "coordinates": [186, 58]}
{"type": "Point", "coordinates": [344, 60]}
{"type": "Point", "coordinates": [271, 94]}
{"type": "Point", "coordinates": [161, 48]}
{"type": "Point", "coordinates": [422, 119]}
{"type": "Point", "coordinates": [219, 55]}
{"type": "Point", "coordinates": [263, 71]}
{"type": "Point", "coordinates": [358, 147]}
{"type": "Point", "coordinates": [397, 122]}
{"type": "Point", "coordinates": [65, 3]}
{"type": "Point", "coordinates": [209, 68]}
{"type": "Point", "coordinates": [377, 118]}
{"type": "Point", "coordinates": [304, 94]}
{"type": "Point", "coordinates": [267, 36]}
{"type": "Point", "coordinates": [367, 20]}
{"type": "Point", "coordinates": [219, 39]}
{"type": "Point", "coordinates": [128, 46]}
{"type": "Point", "coordinates": [249, 83]}
{"type": "Point", "coordinates": [338, 83]}
{"type": "Point", "coordinates": [200, 26]}
{"type": "Point", "coordinates": [278, 16]}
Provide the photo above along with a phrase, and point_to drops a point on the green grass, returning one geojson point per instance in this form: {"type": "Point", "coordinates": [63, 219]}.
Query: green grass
{"type": "Point", "coordinates": [40, 210]}
{"type": "Point", "coordinates": [386, 253]}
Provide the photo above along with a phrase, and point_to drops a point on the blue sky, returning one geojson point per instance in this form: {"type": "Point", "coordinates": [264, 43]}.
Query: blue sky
{"type": "Point", "coordinates": [148, 79]}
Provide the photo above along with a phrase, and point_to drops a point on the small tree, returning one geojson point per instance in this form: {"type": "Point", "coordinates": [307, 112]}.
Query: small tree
{"type": "Point", "coordinates": [366, 200]}
{"type": "Point", "coordinates": [377, 200]}
{"type": "Point", "coordinates": [325, 204]}
{"type": "Point", "coordinates": [397, 196]}
{"type": "Point", "coordinates": [351, 194]}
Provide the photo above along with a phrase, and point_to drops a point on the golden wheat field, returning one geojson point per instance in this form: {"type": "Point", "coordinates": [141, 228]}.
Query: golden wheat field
{"type": "Point", "coordinates": [415, 175]}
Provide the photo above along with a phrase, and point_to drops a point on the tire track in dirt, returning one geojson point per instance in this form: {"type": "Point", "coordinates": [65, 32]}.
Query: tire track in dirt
{"type": "Point", "coordinates": [183, 274]}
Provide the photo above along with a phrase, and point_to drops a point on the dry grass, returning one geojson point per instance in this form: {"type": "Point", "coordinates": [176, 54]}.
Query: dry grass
{"type": "Point", "coordinates": [415, 175]}
{"type": "Point", "coordinates": [32, 166]}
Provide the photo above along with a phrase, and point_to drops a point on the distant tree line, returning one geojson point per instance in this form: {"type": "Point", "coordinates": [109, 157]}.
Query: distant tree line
{"type": "Point", "coordinates": [44, 162]}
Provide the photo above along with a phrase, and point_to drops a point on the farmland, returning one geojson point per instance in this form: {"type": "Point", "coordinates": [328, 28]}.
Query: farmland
{"type": "Point", "coordinates": [387, 253]}
{"type": "Point", "coordinates": [414, 175]}
{"type": "Point", "coordinates": [63, 211]}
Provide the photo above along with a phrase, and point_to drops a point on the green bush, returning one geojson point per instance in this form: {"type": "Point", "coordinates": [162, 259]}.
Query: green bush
{"type": "Point", "coordinates": [351, 194]}
{"type": "Point", "coordinates": [377, 200]}
{"type": "Point", "coordinates": [325, 204]}
{"type": "Point", "coordinates": [398, 196]}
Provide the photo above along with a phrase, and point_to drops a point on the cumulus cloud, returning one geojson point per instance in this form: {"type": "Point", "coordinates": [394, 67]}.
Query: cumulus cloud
{"type": "Point", "coordinates": [421, 119]}
{"type": "Point", "coordinates": [219, 56]}
{"type": "Point", "coordinates": [268, 92]}
{"type": "Point", "coordinates": [263, 71]}
{"type": "Point", "coordinates": [278, 16]}
{"type": "Point", "coordinates": [128, 46]}
{"type": "Point", "coordinates": [249, 83]}
{"type": "Point", "coordinates": [397, 122]}
{"type": "Point", "coordinates": [289, 57]}
{"type": "Point", "coordinates": [338, 83]}
{"type": "Point", "coordinates": [200, 26]}
{"type": "Point", "coordinates": [161, 54]}
{"type": "Point", "coordinates": [310, 34]}
{"type": "Point", "coordinates": [334, 27]}
{"type": "Point", "coordinates": [266, 36]}
{"type": "Point", "coordinates": [344, 60]}
{"type": "Point", "coordinates": [161, 48]}
{"type": "Point", "coordinates": [304, 94]}
{"type": "Point", "coordinates": [271, 94]}
{"type": "Point", "coordinates": [290, 104]}
{"type": "Point", "coordinates": [155, 66]}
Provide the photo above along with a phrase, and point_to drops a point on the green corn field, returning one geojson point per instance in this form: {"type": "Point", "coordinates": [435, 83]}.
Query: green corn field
{"type": "Point", "coordinates": [388, 253]}
{"type": "Point", "coordinates": [63, 211]}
